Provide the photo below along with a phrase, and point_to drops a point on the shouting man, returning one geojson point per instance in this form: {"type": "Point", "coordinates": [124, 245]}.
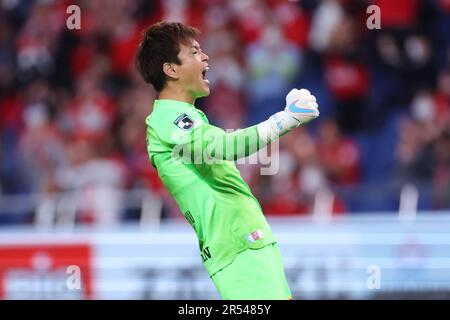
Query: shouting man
{"type": "Point", "coordinates": [195, 161]}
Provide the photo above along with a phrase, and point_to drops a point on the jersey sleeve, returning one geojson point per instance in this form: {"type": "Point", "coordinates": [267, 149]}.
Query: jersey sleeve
{"type": "Point", "coordinates": [209, 142]}
{"type": "Point", "coordinates": [192, 137]}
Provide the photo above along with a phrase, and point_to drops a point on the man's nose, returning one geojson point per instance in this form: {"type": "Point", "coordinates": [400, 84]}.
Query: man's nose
{"type": "Point", "coordinates": [205, 57]}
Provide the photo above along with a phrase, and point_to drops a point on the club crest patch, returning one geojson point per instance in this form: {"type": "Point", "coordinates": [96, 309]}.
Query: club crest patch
{"type": "Point", "coordinates": [184, 122]}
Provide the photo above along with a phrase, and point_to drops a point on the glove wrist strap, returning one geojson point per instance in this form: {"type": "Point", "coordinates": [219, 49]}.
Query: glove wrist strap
{"type": "Point", "coordinates": [277, 125]}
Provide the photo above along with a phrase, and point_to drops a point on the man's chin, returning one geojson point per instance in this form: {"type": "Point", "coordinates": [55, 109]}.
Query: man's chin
{"type": "Point", "coordinates": [204, 93]}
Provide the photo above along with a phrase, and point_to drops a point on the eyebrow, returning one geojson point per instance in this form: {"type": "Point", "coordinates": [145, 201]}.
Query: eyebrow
{"type": "Point", "coordinates": [195, 47]}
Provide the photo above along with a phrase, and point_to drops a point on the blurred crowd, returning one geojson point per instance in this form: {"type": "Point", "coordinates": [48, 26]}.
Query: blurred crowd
{"type": "Point", "coordinates": [72, 106]}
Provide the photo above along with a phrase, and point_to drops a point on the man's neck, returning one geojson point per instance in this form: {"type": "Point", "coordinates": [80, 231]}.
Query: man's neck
{"type": "Point", "coordinates": [178, 95]}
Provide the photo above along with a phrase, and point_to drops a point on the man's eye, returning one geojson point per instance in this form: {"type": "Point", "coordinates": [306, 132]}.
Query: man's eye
{"type": "Point", "coordinates": [195, 52]}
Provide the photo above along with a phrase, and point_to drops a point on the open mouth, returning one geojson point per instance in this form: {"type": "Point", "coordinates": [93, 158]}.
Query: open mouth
{"type": "Point", "coordinates": [204, 74]}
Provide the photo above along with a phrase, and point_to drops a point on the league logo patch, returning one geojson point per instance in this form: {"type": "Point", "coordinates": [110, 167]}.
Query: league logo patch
{"type": "Point", "coordinates": [184, 122]}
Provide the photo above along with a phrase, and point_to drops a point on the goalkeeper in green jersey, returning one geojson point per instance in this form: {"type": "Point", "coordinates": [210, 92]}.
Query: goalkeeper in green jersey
{"type": "Point", "coordinates": [195, 161]}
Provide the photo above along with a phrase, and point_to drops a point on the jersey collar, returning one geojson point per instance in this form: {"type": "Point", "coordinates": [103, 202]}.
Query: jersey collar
{"type": "Point", "coordinates": [171, 103]}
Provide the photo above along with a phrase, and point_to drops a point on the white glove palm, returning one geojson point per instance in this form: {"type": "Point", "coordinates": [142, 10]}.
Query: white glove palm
{"type": "Point", "coordinates": [301, 105]}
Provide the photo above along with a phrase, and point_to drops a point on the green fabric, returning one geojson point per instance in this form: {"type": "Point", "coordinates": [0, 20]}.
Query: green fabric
{"type": "Point", "coordinates": [254, 275]}
{"type": "Point", "coordinates": [213, 197]}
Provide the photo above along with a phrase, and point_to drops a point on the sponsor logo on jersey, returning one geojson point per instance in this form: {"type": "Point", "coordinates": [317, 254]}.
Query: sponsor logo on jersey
{"type": "Point", "coordinates": [184, 122]}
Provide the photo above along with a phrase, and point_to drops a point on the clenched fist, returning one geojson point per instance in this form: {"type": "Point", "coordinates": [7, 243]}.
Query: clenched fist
{"type": "Point", "coordinates": [301, 105]}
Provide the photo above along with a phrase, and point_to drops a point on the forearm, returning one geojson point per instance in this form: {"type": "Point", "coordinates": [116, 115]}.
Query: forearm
{"type": "Point", "coordinates": [235, 145]}
{"type": "Point", "coordinates": [244, 142]}
{"type": "Point", "coordinates": [213, 143]}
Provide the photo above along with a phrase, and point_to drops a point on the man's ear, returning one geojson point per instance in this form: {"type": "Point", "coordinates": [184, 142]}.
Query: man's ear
{"type": "Point", "coordinates": [171, 70]}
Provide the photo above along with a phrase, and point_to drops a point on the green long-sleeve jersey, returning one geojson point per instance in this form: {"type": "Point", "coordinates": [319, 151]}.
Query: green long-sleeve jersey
{"type": "Point", "coordinates": [195, 161]}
